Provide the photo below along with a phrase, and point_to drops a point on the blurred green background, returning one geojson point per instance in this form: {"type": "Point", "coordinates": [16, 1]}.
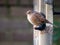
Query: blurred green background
{"type": "Point", "coordinates": [56, 19]}
{"type": "Point", "coordinates": [14, 27]}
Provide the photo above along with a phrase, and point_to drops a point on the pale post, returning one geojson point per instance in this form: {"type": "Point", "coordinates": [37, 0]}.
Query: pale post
{"type": "Point", "coordinates": [45, 38]}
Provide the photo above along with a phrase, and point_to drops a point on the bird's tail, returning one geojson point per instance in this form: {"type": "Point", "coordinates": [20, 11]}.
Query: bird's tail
{"type": "Point", "coordinates": [52, 24]}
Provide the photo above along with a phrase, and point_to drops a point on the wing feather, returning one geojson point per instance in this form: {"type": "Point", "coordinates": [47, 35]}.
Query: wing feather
{"type": "Point", "coordinates": [40, 17]}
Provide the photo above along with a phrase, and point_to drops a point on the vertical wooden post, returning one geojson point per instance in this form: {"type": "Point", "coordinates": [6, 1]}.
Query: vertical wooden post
{"type": "Point", "coordinates": [49, 16]}
{"type": "Point", "coordinates": [39, 5]}
{"type": "Point", "coordinates": [45, 38]}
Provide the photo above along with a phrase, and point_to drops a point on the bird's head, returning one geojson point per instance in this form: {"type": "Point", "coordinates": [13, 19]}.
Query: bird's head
{"type": "Point", "coordinates": [29, 12]}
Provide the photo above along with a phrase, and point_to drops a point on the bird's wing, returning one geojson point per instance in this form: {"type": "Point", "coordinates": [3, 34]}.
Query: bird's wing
{"type": "Point", "coordinates": [35, 19]}
{"type": "Point", "coordinates": [51, 23]}
{"type": "Point", "coordinates": [40, 17]}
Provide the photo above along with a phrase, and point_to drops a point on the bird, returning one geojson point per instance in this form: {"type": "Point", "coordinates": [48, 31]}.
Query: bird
{"type": "Point", "coordinates": [37, 19]}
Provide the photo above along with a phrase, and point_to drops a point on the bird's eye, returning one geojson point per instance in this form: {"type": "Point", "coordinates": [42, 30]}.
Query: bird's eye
{"type": "Point", "coordinates": [28, 12]}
